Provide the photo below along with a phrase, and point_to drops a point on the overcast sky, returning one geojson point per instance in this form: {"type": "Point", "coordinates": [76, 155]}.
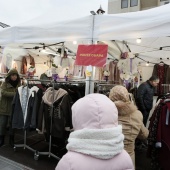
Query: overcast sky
{"type": "Point", "coordinates": [13, 12]}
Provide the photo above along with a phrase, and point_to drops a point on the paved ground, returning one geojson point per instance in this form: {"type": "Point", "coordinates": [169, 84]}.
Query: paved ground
{"type": "Point", "coordinates": [7, 164]}
{"type": "Point", "coordinates": [23, 159]}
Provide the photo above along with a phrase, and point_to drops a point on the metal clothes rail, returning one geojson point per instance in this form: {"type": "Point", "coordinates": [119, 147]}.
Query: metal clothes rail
{"type": "Point", "coordinates": [24, 145]}
{"type": "Point", "coordinates": [104, 87]}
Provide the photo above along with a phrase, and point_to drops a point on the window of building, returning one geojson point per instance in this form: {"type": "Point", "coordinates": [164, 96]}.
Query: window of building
{"type": "Point", "coordinates": [124, 4]}
{"type": "Point", "coordinates": [133, 3]}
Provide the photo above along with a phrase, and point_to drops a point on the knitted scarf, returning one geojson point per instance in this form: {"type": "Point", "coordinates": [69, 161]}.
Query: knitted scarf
{"type": "Point", "coordinates": [99, 143]}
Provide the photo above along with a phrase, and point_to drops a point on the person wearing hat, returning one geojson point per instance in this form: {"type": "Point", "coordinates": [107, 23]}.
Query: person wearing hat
{"type": "Point", "coordinates": [8, 90]}
{"type": "Point", "coordinates": [97, 139]}
{"type": "Point", "coordinates": [130, 118]}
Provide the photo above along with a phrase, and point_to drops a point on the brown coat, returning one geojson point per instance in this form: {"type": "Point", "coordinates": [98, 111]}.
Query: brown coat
{"type": "Point", "coordinates": [132, 125]}
{"type": "Point", "coordinates": [24, 64]}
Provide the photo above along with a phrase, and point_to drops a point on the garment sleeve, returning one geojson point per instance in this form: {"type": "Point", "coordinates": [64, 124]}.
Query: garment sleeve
{"type": "Point", "coordinates": [5, 92]}
{"type": "Point", "coordinates": [158, 143]}
{"type": "Point", "coordinates": [144, 132]}
{"type": "Point", "coordinates": [140, 96]}
{"type": "Point", "coordinates": [40, 116]}
{"type": "Point", "coordinates": [13, 105]}
{"type": "Point", "coordinates": [168, 75]}
{"type": "Point", "coordinates": [67, 112]}
{"type": "Point", "coordinates": [154, 70]}
{"type": "Point", "coordinates": [34, 111]}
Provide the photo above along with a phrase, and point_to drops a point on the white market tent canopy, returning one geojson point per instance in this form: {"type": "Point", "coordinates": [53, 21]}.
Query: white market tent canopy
{"type": "Point", "coordinates": [151, 25]}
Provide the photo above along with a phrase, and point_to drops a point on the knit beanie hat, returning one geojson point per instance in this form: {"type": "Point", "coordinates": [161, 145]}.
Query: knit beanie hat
{"type": "Point", "coordinates": [12, 71]}
{"type": "Point", "coordinates": [119, 93]}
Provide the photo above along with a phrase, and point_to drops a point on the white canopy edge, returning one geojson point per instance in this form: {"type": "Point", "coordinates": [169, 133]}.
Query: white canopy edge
{"type": "Point", "coordinates": [149, 23]}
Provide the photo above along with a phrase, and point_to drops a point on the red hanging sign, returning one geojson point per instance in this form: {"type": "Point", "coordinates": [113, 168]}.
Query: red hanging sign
{"type": "Point", "coordinates": [94, 55]}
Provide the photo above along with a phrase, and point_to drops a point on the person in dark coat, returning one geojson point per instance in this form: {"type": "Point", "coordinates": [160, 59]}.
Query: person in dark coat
{"type": "Point", "coordinates": [144, 99]}
{"type": "Point", "coordinates": [8, 90]}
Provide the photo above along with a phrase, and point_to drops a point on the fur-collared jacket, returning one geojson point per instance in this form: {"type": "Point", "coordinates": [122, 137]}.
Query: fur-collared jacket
{"type": "Point", "coordinates": [59, 100]}
{"type": "Point", "coordinates": [131, 120]}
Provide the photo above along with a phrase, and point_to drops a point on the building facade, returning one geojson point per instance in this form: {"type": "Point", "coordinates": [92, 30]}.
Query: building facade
{"type": "Point", "coordinates": [122, 6]}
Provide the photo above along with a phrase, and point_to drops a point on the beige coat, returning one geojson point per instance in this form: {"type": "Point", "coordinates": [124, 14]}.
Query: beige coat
{"type": "Point", "coordinates": [132, 124]}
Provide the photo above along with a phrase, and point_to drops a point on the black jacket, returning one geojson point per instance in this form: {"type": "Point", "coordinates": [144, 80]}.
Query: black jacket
{"type": "Point", "coordinates": [61, 113]}
{"type": "Point", "coordinates": [26, 119]}
{"type": "Point", "coordinates": [144, 99]}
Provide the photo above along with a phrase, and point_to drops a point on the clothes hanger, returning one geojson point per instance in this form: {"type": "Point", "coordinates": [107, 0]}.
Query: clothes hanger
{"type": "Point", "coordinates": [161, 62]}
{"type": "Point", "coordinates": [166, 100]}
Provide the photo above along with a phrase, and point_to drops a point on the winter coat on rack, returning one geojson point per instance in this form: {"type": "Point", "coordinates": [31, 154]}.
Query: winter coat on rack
{"type": "Point", "coordinates": [161, 70]}
{"type": "Point", "coordinates": [168, 76]}
{"type": "Point", "coordinates": [97, 140]}
{"type": "Point", "coordinates": [155, 71]}
{"type": "Point", "coordinates": [24, 64]}
{"type": "Point", "coordinates": [61, 113]}
{"type": "Point", "coordinates": [163, 137]}
{"type": "Point", "coordinates": [152, 151]}
{"type": "Point", "coordinates": [24, 108]}
{"type": "Point", "coordinates": [159, 139]}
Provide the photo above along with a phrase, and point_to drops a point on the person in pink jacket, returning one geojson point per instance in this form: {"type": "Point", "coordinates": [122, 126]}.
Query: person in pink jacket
{"type": "Point", "coordinates": [97, 140]}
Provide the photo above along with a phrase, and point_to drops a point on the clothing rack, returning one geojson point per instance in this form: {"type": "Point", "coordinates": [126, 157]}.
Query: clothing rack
{"type": "Point", "coordinates": [24, 145]}
{"type": "Point", "coordinates": [158, 143]}
{"type": "Point", "coordinates": [104, 87]}
{"type": "Point", "coordinates": [21, 75]}
{"type": "Point", "coordinates": [49, 153]}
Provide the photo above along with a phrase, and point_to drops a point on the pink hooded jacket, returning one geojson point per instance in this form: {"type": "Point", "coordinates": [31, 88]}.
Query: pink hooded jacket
{"type": "Point", "coordinates": [97, 140]}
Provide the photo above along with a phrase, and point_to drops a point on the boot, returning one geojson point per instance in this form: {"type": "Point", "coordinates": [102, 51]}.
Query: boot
{"type": "Point", "coordinates": [2, 137]}
{"type": "Point", "coordinates": [11, 140]}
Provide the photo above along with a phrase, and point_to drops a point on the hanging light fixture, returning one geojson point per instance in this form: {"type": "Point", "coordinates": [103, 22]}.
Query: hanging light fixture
{"type": "Point", "coordinates": [74, 42]}
{"type": "Point", "coordinates": [138, 40]}
{"type": "Point", "coordinates": [147, 64]}
{"type": "Point", "coordinates": [43, 51]}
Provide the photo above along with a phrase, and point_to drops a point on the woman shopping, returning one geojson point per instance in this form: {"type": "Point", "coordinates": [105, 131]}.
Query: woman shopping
{"type": "Point", "coordinates": [8, 90]}
{"type": "Point", "coordinates": [129, 117]}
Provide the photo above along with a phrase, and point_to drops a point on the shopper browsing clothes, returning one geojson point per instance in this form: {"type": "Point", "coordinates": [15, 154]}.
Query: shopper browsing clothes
{"type": "Point", "coordinates": [144, 99]}
{"type": "Point", "coordinates": [129, 117]}
{"type": "Point", "coordinates": [97, 139]}
{"type": "Point", "coordinates": [8, 90]}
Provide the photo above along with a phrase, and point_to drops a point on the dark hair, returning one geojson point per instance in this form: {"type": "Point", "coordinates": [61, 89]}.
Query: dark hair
{"type": "Point", "coordinates": [153, 78]}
